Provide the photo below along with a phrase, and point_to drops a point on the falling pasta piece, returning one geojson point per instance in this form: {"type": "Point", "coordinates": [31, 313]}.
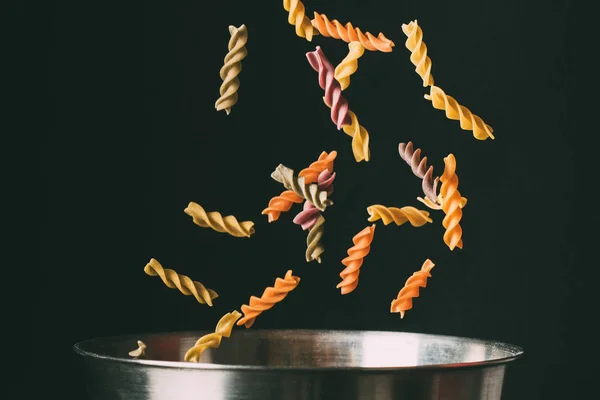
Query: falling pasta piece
{"type": "Point", "coordinates": [356, 254]}
{"type": "Point", "coordinates": [213, 340]}
{"type": "Point", "coordinates": [298, 18]}
{"type": "Point", "coordinates": [454, 111]}
{"type": "Point", "coordinates": [324, 162]}
{"type": "Point", "coordinates": [399, 216]}
{"type": "Point", "coordinates": [419, 168]}
{"type": "Point", "coordinates": [309, 214]}
{"type": "Point", "coordinates": [310, 192]}
{"type": "Point", "coordinates": [281, 203]}
{"type": "Point", "coordinates": [140, 351]}
{"type": "Point", "coordinates": [349, 33]}
{"type": "Point", "coordinates": [437, 204]}
{"type": "Point", "coordinates": [419, 55]}
{"type": "Point", "coordinates": [314, 247]}
{"type": "Point", "coordinates": [215, 221]}
{"type": "Point", "coordinates": [269, 298]}
{"type": "Point", "coordinates": [451, 204]}
{"type": "Point", "coordinates": [341, 116]}
{"type": "Point", "coordinates": [232, 68]}
{"type": "Point", "coordinates": [349, 64]}
{"type": "Point", "coordinates": [183, 283]}
{"type": "Point", "coordinates": [286, 199]}
{"type": "Point", "coordinates": [403, 302]}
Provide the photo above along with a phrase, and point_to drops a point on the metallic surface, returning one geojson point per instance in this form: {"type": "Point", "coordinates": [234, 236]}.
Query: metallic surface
{"type": "Point", "coordinates": [298, 365]}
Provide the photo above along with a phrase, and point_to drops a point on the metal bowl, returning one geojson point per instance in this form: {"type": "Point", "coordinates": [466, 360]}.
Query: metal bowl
{"type": "Point", "coordinates": [298, 365]}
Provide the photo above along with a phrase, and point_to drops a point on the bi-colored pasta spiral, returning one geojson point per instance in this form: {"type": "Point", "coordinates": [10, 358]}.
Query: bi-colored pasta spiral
{"type": "Point", "coordinates": [349, 64]}
{"type": "Point", "coordinates": [403, 302]}
{"type": "Point", "coordinates": [309, 214]}
{"type": "Point", "coordinates": [286, 199]}
{"type": "Point", "coordinates": [419, 56]}
{"type": "Point", "coordinates": [232, 68]}
{"type": "Point", "coordinates": [269, 298]}
{"type": "Point", "coordinates": [349, 34]}
{"type": "Point", "coordinates": [419, 168]}
{"type": "Point", "coordinates": [454, 111]}
{"type": "Point", "coordinates": [217, 222]}
{"type": "Point", "coordinates": [298, 18]}
{"type": "Point", "coordinates": [183, 283]}
{"type": "Point", "coordinates": [398, 215]}
{"type": "Point", "coordinates": [314, 247]}
{"type": "Point", "coordinates": [310, 192]}
{"type": "Point", "coordinates": [356, 254]}
{"type": "Point", "coordinates": [452, 204]}
{"type": "Point", "coordinates": [340, 114]}
{"type": "Point", "coordinates": [223, 329]}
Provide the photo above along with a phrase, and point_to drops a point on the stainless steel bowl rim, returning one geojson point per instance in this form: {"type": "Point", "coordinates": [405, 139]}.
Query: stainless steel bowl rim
{"type": "Point", "coordinates": [515, 350]}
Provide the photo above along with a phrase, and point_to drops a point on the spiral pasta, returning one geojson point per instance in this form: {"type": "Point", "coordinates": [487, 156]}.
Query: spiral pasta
{"type": "Point", "coordinates": [296, 17]}
{"type": "Point", "coordinates": [140, 351]}
{"type": "Point", "coordinates": [310, 192]}
{"type": "Point", "coordinates": [403, 302]}
{"type": "Point", "coordinates": [454, 111]}
{"type": "Point", "coordinates": [440, 200]}
{"type": "Point", "coordinates": [419, 168]}
{"type": "Point", "coordinates": [314, 247]}
{"type": "Point", "coordinates": [333, 91]}
{"type": "Point", "coordinates": [340, 114]}
{"type": "Point", "coordinates": [356, 254]}
{"type": "Point", "coordinates": [217, 222]}
{"type": "Point", "coordinates": [451, 204]}
{"type": "Point", "coordinates": [183, 283]}
{"type": "Point", "coordinates": [419, 56]}
{"type": "Point", "coordinates": [223, 329]}
{"type": "Point", "coordinates": [349, 34]}
{"type": "Point", "coordinates": [281, 203]}
{"type": "Point", "coordinates": [399, 216]}
{"type": "Point", "coordinates": [286, 199]}
{"type": "Point", "coordinates": [324, 162]}
{"type": "Point", "coordinates": [308, 216]}
{"type": "Point", "coordinates": [349, 64]}
{"type": "Point", "coordinates": [269, 298]}
{"type": "Point", "coordinates": [232, 68]}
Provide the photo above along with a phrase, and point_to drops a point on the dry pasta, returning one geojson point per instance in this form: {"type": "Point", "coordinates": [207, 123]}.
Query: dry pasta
{"type": "Point", "coordinates": [232, 68]}
{"type": "Point", "coordinates": [419, 56]}
{"type": "Point", "coordinates": [140, 351]}
{"type": "Point", "coordinates": [223, 329]}
{"type": "Point", "coordinates": [217, 222]}
{"type": "Point", "coordinates": [451, 204]}
{"type": "Point", "coordinates": [271, 296]}
{"type": "Point", "coordinates": [349, 33]}
{"type": "Point", "coordinates": [356, 254]}
{"type": "Point", "coordinates": [349, 64]}
{"type": "Point", "coordinates": [454, 111]}
{"type": "Point", "coordinates": [398, 215]}
{"type": "Point", "coordinates": [183, 283]}
{"type": "Point", "coordinates": [403, 302]}
{"type": "Point", "coordinates": [298, 18]}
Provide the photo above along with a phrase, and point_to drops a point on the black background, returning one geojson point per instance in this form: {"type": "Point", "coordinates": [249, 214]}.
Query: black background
{"type": "Point", "coordinates": [133, 136]}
